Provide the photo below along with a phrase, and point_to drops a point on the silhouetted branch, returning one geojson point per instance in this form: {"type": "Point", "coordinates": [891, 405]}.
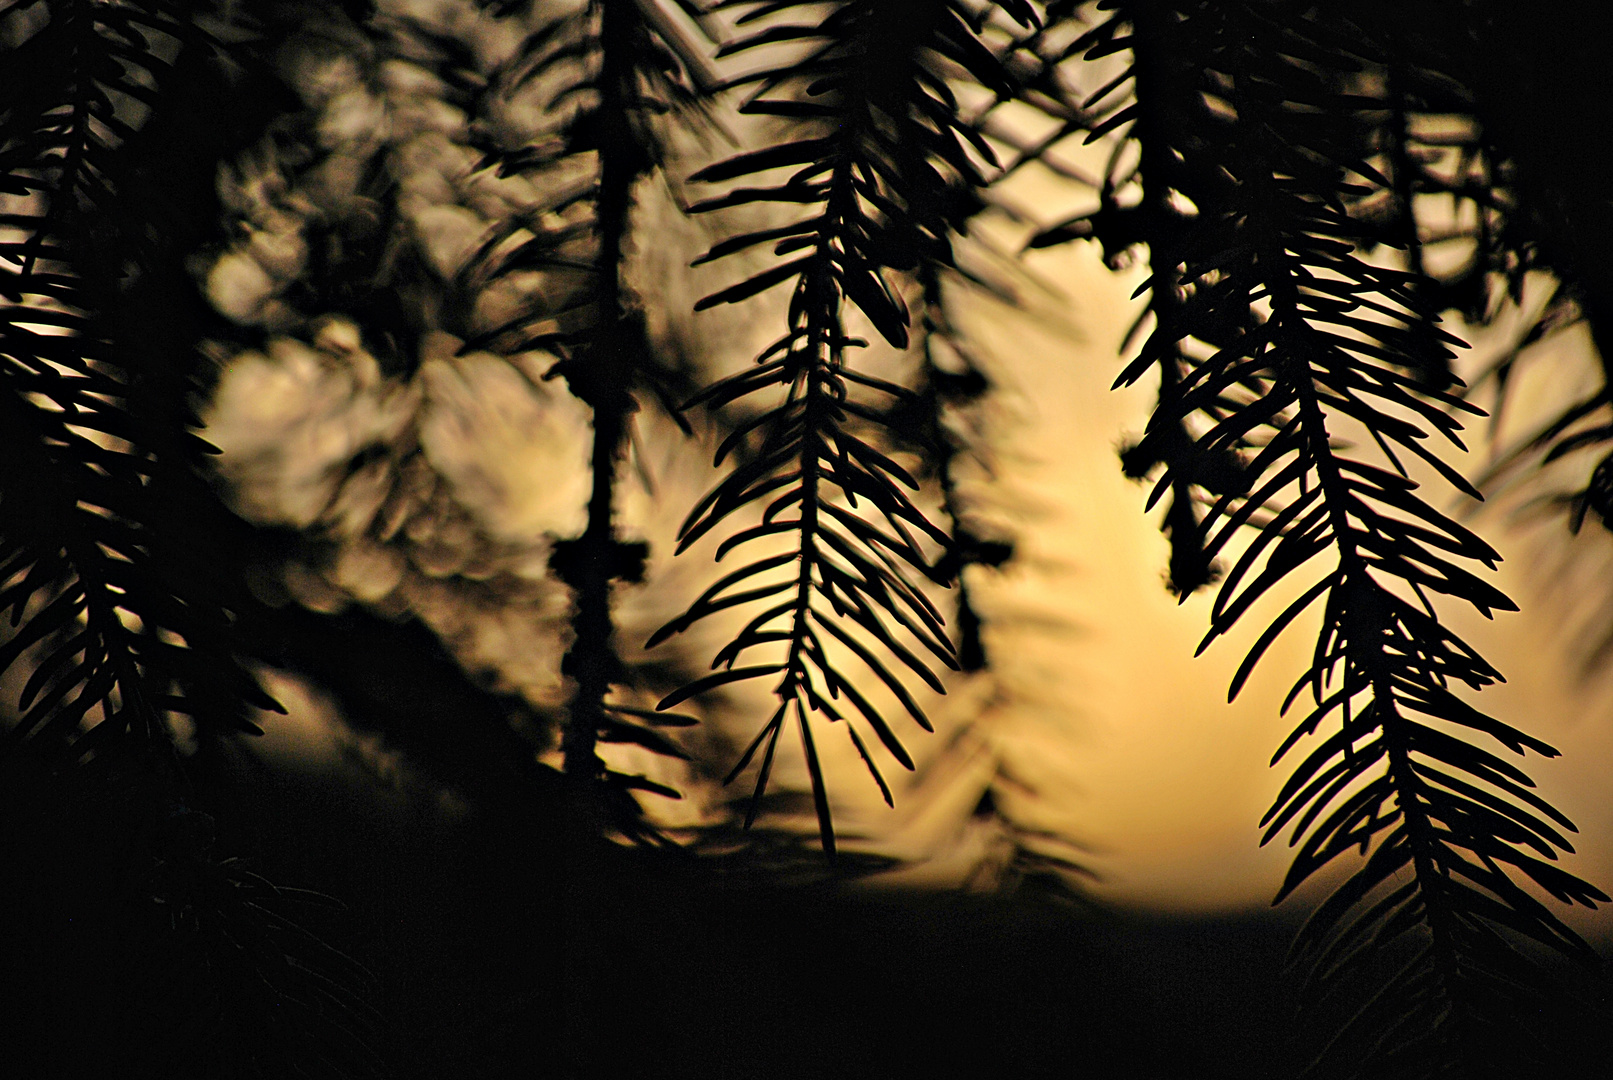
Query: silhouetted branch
{"type": "Point", "coordinates": [878, 149]}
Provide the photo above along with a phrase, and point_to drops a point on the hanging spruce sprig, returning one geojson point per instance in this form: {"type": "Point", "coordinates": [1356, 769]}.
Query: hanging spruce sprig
{"type": "Point", "coordinates": [115, 639]}
{"type": "Point", "coordinates": [619, 75]}
{"type": "Point", "coordinates": [876, 148]}
{"type": "Point", "coordinates": [1278, 338]}
{"type": "Point", "coordinates": [1497, 140]}
{"type": "Point", "coordinates": [118, 612]}
{"type": "Point", "coordinates": [953, 378]}
{"type": "Point", "coordinates": [1155, 199]}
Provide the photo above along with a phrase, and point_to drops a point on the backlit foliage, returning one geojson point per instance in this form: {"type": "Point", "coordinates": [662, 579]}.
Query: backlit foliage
{"type": "Point", "coordinates": [432, 198]}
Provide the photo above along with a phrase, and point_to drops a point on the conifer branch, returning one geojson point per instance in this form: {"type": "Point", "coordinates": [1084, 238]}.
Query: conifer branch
{"type": "Point", "coordinates": [121, 626]}
{"type": "Point", "coordinates": [120, 641]}
{"type": "Point", "coordinates": [880, 152]}
{"type": "Point", "coordinates": [952, 377]}
{"type": "Point", "coordinates": [627, 76]}
{"type": "Point", "coordinates": [1294, 337]}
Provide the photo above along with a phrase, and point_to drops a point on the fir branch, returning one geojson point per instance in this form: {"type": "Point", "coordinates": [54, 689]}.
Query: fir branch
{"type": "Point", "coordinates": [121, 640]}
{"type": "Point", "coordinates": [1335, 347]}
{"type": "Point", "coordinates": [627, 75]}
{"type": "Point", "coordinates": [952, 377]}
{"type": "Point", "coordinates": [120, 621]}
{"type": "Point", "coordinates": [1294, 336]}
{"type": "Point", "coordinates": [1531, 86]}
{"type": "Point", "coordinates": [878, 151]}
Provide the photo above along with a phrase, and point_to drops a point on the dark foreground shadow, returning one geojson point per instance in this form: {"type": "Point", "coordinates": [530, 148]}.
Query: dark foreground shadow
{"type": "Point", "coordinates": [700, 975]}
